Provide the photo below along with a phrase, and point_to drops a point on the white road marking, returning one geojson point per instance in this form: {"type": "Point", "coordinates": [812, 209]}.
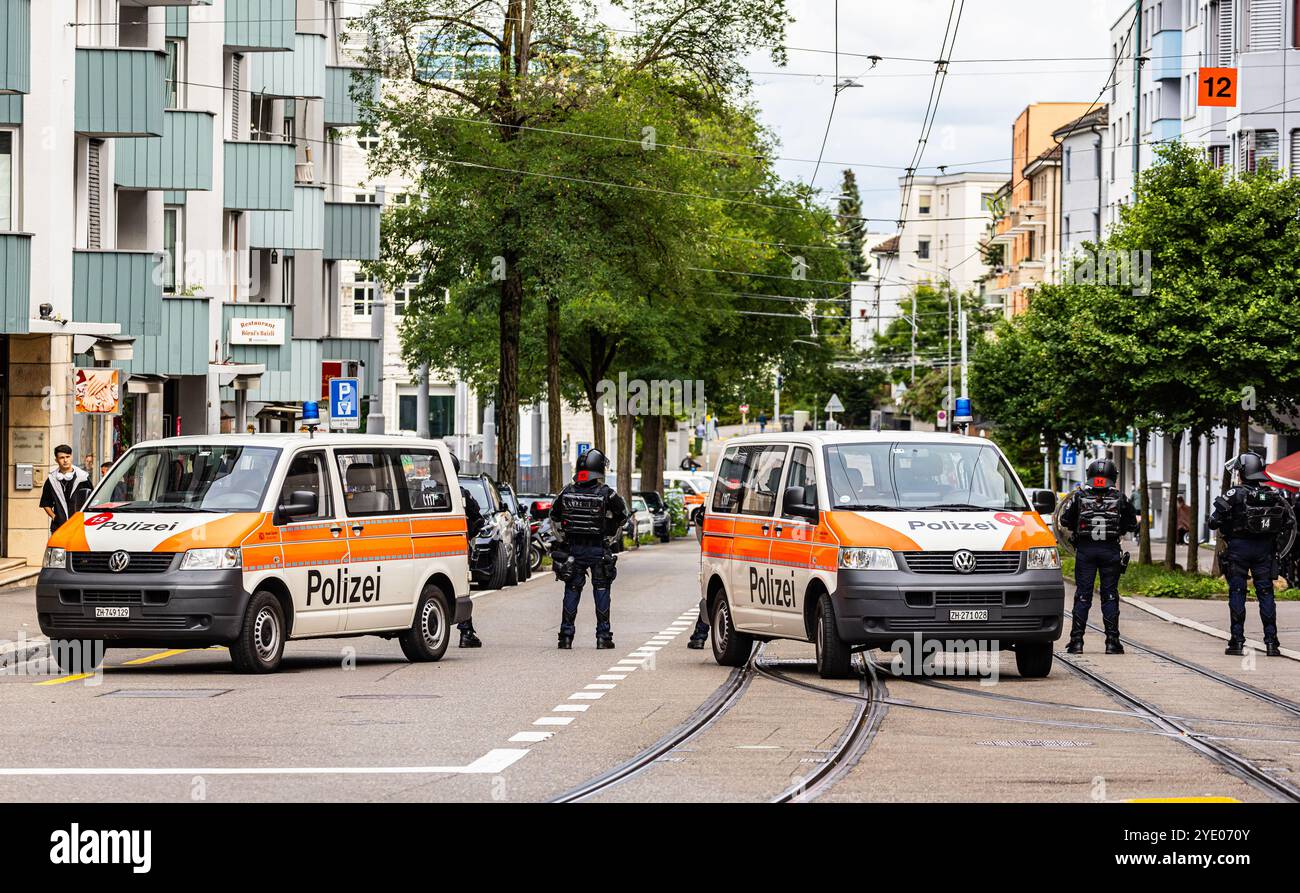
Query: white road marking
{"type": "Point", "coordinates": [553, 721]}
{"type": "Point", "coordinates": [597, 686]}
{"type": "Point", "coordinates": [634, 660]}
{"type": "Point", "coordinates": [586, 696]}
{"type": "Point", "coordinates": [530, 737]}
{"type": "Point", "coordinates": [620, 669]}
{"type": "Point", "coordinates": [570, 708]}
{"type": "Point", "coordinates": [494, 761]}
{"type": "Point", "coordinates": [612, 676]}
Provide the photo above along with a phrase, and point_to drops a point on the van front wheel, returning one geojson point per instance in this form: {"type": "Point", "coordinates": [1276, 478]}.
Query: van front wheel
{"type": "Point", "coordinates": [260, 645]}
{"type": "Point", "coordinates": [430, 631]}
{"type": "Point", "coordinates": [834, 659]}
{"type": "Point", "coordinates": [1034, 659]}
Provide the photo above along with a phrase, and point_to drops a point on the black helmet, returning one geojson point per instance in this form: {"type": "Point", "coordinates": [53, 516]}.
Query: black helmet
{"type": "Point", "coordinates": [1102, 473]}
{"type": "Point", "coordinates": [591, 464]}
{"type": "Point", "coordinates": [1251, 467]}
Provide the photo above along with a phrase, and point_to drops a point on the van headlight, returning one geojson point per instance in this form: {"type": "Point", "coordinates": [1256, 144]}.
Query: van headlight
{"type": "Point", "coordinates": [211, 559]}
{"type": "Point", "coordinates": [1046, 558]}
{"type": "Point", "coordinates": [55, 558]}
{"type": "Point", "coordinates": [868, 560]}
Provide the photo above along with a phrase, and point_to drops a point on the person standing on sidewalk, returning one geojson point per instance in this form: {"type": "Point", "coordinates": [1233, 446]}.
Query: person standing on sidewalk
{"type": "Point", "coordinates": [1251, 517]}
{"type": "Point", "coordinates": [66, 489]}
{"type": "Point", "coordinates": [1097, 518]}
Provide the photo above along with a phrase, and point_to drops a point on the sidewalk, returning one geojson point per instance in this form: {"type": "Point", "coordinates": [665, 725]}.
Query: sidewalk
{"type": "Point", "coordinates": [1204, 554]}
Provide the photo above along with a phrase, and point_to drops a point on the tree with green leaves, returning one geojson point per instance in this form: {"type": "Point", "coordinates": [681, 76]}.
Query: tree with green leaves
{"type": "Point", "coordinates": [853, 225]}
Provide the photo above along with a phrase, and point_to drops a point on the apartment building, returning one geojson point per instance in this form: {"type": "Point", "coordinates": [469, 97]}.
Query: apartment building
{"type": "Point", "coordinates": [174, 211]}
{"type": "Point", "coordinates": [947, 219]}
{"type": "Point", "coordinates": [1082, 182]}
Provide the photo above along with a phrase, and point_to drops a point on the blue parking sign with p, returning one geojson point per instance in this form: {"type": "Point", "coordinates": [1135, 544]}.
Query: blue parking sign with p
{"type": "Point", "coordinates": [345, 403]}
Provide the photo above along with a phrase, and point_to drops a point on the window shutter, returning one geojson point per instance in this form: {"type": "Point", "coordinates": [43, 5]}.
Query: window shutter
{"type": "Point", "coordinates": [1264, 25]}
{"type": "Point", "coordinates": [94, 212]}
{"type": "Point", "coordinates": [1266, 149]}
{"type": "Point", "coordinates": [1295, 154]}
{"type": "Point", "coordinates": [1224, 33]}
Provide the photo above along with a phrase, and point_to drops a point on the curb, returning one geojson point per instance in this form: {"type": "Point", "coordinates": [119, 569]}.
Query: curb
{"type": "Point", "coordinates": [1200, 627]}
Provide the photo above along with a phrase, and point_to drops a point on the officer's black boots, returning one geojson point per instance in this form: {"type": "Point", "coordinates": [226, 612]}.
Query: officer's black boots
{"type": "Point", "coordinates": [565, 643]}
{"type": "Point", "coordinates": [1075, 646]}
{"type": "Point", "coordinates": [566, 639]}
{"type": "Point", "coordinates": [604, 642]}
{"type": "Point", "coordinates": [468, 639]}
{"type": "Point", "coordinates": [1273, 648]}
{"type": "Point", "coordinates": [1113, 645]}
{"type": "Point", "coordinates": [1234, 647]}
{"type": "Point", "coordinates": [695, 644]}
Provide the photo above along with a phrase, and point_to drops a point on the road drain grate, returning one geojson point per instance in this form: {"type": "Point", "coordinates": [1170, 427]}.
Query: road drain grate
{"type": "Point", "coordinates": [165, 693]}
{"type": "Point", "coordinates": [1058, 744]}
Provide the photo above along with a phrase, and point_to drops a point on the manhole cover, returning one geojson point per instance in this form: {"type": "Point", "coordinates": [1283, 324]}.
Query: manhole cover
{"type": "Point", "coordinates": [165, 693]}
{"type": "Point", "coordinates": [389, 697]}
{"type": "Point", "coordinates": [1060, 744]}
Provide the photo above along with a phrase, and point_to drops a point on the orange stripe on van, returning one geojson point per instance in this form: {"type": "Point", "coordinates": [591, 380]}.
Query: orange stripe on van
{"type": "Point", "coordinates": [1034, 533]}
{"type": "Point", "coordinates": [225, 532]}
{"type": "Point", "coordinates": [854, 530]}
{"type": "Point", "coordinates": [71, 536]}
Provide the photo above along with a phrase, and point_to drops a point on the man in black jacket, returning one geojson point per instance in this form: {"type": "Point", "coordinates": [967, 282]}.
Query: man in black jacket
{"type": "Point", "coordinates": [66, 489]}
{"type": "Point", "coordinates": [473, 524]}
{"type": "Point", "coordinates": [1097, 516]}
{"type": "Point", "coordinates": [587, 518]}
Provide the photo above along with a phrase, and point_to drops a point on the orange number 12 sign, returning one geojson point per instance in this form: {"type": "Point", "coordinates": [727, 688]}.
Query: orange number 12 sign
{"type": "Point", "coordinates": [1218, 87]}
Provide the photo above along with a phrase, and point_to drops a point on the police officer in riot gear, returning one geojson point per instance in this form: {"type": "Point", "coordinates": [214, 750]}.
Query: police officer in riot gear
{"type": "Point", "coordinates": [587, 518]}
{"type": "Point", "coordinates": [1096, 518]}
{"type": "Point", "coordinates": [473, 524]}
{"type": "Point", "coordinates": [1251, 517]}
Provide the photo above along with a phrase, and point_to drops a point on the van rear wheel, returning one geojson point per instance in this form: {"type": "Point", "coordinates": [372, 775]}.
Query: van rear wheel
{"type": "Point", "coordinates": [834, 659]}
{"type": "Point", "coordinates": [260, 645]}
{"type": "Point", "coordinates": [1034, 659]}
{"type": "Point", "coordinates": [730, 648]}
{"type": "Point", "coordinates": [430, 631]}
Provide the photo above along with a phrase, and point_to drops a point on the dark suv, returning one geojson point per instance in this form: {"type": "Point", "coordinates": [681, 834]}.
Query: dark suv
{"type": "Point", "coordinates": [492, 551]}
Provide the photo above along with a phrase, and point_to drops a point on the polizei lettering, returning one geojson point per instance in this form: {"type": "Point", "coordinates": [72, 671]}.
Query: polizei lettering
{"type": "Point", "coordinates": [770, 589]}
{"type": "Point", "coordinates": [342, 587]}
{"type": "Point", "coordinates": [952, 525]}
{"type": "Point", "coordinates": [134, 525]}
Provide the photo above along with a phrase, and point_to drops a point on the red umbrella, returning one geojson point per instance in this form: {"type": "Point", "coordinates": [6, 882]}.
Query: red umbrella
{"type": "Point", "coordinates": [1286, 472]}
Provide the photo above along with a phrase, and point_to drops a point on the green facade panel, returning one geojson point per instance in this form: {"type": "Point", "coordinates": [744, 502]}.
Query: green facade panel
{"type": "Point", "coordinates": [123, 287]}
{"type": "Point", "coordinates": [15, 282]}
{"type": "Point", "coordinates": [178, 22]}
{"type": "Point", "coordinates": [260, 25]}
{"type": "Point", "coordinates": [342, 87]}
{"type": "Point", "coordinates": [120, 92]}
{"type": "Point", "coordinates": [366, 350]}
{"type": "Point", "coordinates": [182, 346]}
{"type": "Point", "coordinates": [15, 46]}
{"type": "Point", "coordinates": [11, 108]}
{"type": "Point", "coordinates": [302, 228]}
{"type": "Point", "coordinates": [259, 176]}
{"type": "Point", "coordinates": [276, 357]}
{"type": "Point", "coordinates": [180, 159]}
{"type": "Point", "coordinates": [300, 73]}
{"type": "Point", "coordinates": [298, 383]}
{"type": "Point", "coordinates": [351, 231]}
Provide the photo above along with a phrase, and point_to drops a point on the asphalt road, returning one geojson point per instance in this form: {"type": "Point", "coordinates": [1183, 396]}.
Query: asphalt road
{"type": "Point", "coordinates": [518, 720]}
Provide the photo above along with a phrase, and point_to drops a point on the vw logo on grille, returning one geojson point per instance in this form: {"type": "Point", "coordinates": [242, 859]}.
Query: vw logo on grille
{"type": "Point", "coordinates": [963, 560]}
{"type": "Point", "coordinates": [118, 561]}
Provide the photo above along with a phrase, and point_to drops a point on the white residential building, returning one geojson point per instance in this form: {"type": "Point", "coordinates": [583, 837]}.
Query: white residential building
{"type": "Point", "coordinates": [947, 218]}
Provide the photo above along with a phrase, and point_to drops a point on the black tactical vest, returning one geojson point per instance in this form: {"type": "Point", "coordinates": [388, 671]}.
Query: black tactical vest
{"type": "Point", "coordinates": [1260, 512]}
{"type": "Point", "coordinates": [1099, 515]}
{"type": "Point", "coordinates": [584, 512]}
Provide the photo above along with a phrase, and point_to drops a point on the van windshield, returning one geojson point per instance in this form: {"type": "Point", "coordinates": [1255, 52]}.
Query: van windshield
{"type": "Point", "coordinates": [921, 477]}
{"type": "Point", "coordinates": [201, 478]}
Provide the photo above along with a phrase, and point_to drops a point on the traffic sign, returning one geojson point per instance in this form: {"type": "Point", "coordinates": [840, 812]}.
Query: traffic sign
{"type": "Point", "coordinates": [1069, 456]}
{"type": "Point", "coordinates": [834, 404]}
{"type": "Point", "coordinates": [1218, 87]}
{"type": "Point", "coordinates": [941, 421]}
{"type": "Point", "coordinates": [345, 403]}
{"type": "Point", "coordinates": [744, 409]}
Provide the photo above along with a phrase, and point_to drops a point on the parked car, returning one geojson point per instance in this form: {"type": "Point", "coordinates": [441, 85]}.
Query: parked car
{"type": "Point", "coordinates": [662, 519]}
{"type": "Point", "coordinates": [642, 520]}
{"type": "Point", "coordinates": [492, 553]}
{"type": "Point", "coordinates": [523, 534]}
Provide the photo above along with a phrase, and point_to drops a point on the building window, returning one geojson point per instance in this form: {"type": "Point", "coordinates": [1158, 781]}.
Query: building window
{"type": "Point", "coordinates": [286, 278]}
{"type": "Point", "coordinates": [363, 295]}
{"type": "Point", "coordinates": [923, 249]}
{"type": "Point", "coordinates": [368, 143]}
{"type": "Point", "coordinates": [924, 203]}
{"type": "Point", "coordinates": [8, 182]}
{"type": "Point", "coordinates": [172, 241]}
{"type": "Point", "coordinates": [1069, 174]}
{"type": "Point", "coordinates": [986, 201]}
{"type": "Point", "coordinates": [442, 411]}
{"type": "Point", "coordinates": [1258, 149]}
{"type": "Point", "coordinates": [1218, 156]}
{"type": "Point", "coordinates": [402, 296]}
{"type": "Point", "coordinates": [174, 70]}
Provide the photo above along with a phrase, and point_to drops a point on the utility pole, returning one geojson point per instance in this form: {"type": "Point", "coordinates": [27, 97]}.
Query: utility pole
{"type": "Point", "coordinates": [375, 418]}
{"type": "Point", "coordinates": [776, 401]}
{"type": "Point", "coordinates": [422, 403]}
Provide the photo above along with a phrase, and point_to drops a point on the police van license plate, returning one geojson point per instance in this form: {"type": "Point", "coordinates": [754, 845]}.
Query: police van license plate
{"type": "Point", "coordinates": [955, 616]}
{"type": "Point", "coordinates": [122, 612]}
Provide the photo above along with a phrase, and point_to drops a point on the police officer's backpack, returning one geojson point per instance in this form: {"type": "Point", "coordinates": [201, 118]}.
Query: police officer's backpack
{"type": "Point", "coordinates": [1262, 512]}
{"type": "Point", "coordinates": [1099, 515]}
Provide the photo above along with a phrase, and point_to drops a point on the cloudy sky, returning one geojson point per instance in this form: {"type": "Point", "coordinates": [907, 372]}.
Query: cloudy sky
{"type": "Point", "coordinates": [879, 123]}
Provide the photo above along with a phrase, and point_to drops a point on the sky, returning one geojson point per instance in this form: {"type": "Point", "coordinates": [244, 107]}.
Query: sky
{"type": "Point", "coordinates": [880, 122]}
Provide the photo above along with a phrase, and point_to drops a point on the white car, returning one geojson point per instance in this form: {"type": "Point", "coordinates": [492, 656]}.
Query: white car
{"type": "Point", "coordinates": [644, 520]}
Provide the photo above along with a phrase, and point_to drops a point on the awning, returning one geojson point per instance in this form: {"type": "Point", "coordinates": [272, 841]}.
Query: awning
{"type": "Point", "coordinates": [1286, 472]}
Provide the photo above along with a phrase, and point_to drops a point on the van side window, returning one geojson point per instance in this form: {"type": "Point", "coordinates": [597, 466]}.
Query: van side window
{"type": "Point", "coordinates": [369, 487]}
{"type": "Point", "coordinates": [763, 480]}
{"type": "Point", "coordinates": [308, 472]}
{"type": "Point", "coordinates": [803, 473]}
{"type": "Point", "coordinates": [728, 484]}
{"type": "Point", "coordinates": [424, 482]}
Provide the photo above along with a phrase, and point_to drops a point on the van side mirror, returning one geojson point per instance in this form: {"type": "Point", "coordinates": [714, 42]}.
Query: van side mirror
{"type": "Point", "coordinates": [800, 502]}
{"type": "Point", "coordinates": [301, 504]}
{"type": "Point", "coordinates": [1044, 502]}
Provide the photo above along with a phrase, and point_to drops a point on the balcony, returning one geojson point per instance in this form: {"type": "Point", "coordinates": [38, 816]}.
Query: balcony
{"type": "Point", "coordinates": [341, 85]}
{"type": "Point", "coordinates": [351, 231]}
{"type": "Point", "coordinates": [300, 73]}
{"type": "Point", "coordinates": [259, 176]}
{"type": "Point", "coordinates": [260, 25]}
{"type": "Point", "coordinates": [178, 160]}
{"type": "Point", "coordinates": [181, 348]}
{"type": "Point", "coordinates": [1166, 54]}
{"type": "Point", "coordinates": [15, 282]}
{"type": "Point", "coordinates": [302, 229]}
{"type": "Point", "coordinates": [276, 357]}
{"type": "Point", "coordinates": [15, 46]}
{"type": "Point", "coordinates": [120, 91]}
{"type": "Point", "coordinates": [123, 287]}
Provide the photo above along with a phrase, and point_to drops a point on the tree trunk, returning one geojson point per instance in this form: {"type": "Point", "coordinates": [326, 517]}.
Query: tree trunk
{"type": "Point", "coordinates": [626, 442]}
{"type": "Point", "coordinates": [1224, 483]}
{"type": "Point", "coordinates": [661, 454]}
{"type": "Point", "coordinates": [651, 469]}
{"type": "Point", "coordinates": [1194, 503]}
{"type": "Point", "coordinates": [554, 436]}
{"type": "Point", "coordinates": [1171, 517]}
{"type": "Point", "coordinates": [512, 300]}
{"type": "Point", "coordinates": [1144, 519]}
